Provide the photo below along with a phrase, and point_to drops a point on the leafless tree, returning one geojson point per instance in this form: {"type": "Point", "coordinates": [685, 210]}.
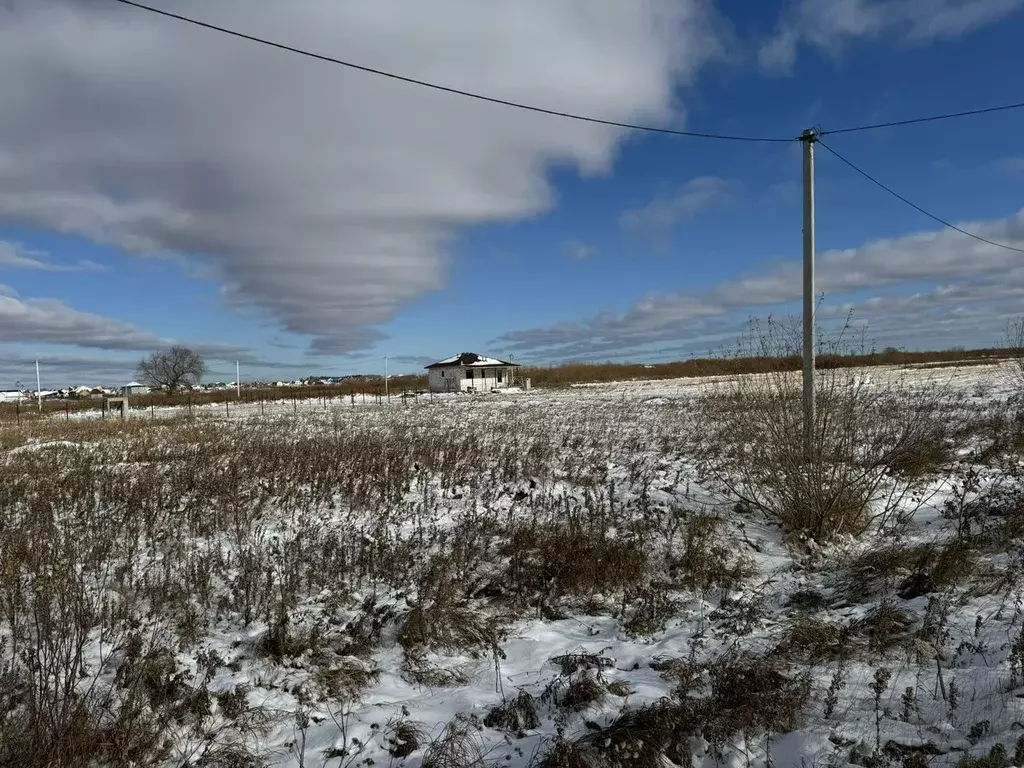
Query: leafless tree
{"type": "Point", "coordinates": [172, 368]}
{"type": "Point", "coordinates": [1013, 340]}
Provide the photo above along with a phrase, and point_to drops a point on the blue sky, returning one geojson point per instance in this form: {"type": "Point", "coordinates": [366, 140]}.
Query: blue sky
{"type": "Point", "coordinates": [162, 183]}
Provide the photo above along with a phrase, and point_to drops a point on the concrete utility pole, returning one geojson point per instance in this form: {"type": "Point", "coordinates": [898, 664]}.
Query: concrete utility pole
{"type": "Point", "coordinates": [238, 382]}
{"type": "Point", "coordinates": [39, 389]}
{"type": "Point", "coordinates": [387, 393]}
{"type": "Point", "coordinates": [808, 138]}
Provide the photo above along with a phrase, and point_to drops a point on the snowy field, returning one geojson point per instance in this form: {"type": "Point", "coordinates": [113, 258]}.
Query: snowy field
{"type": "Point", "coordinates": [613, 575]}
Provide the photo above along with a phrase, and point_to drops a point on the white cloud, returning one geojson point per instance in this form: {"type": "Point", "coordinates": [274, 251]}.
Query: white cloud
{"type": "Point", "coordinates": [50, 321]}
{"type": "Point", "coordinates": [61, 370]}
{"type": "Point", "coordinates": [577, 251]}
{"type": "Point", "coordinates": [1013, 164]}
{"type": "Point", "coordinates": [13, 256]}
{"type": "Point", "coordinates": [694, 197]}
{"type": "Point", "coordinates": [324, 196]}
{"type": "Point", "coordinates": [830, 25]}
{"type": "Point", "coordinates": [921, 279]}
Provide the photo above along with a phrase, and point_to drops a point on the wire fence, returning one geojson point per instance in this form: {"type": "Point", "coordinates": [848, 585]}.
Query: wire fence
{"type": "Point", "coordinates": [223, 402]}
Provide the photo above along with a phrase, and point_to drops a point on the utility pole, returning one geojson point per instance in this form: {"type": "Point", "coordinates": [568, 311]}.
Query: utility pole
{"type": "Point", "coordinates": [808, 138]}
{"type": "Point", "coordinates": [238, 382]}
{"type": "Point", "coordinates": [387, 394]}
{"type": "Point", "coordinates": [39, 389]}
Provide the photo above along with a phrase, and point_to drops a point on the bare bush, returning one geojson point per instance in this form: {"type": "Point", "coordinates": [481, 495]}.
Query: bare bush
{"type": "Point", "coordinates": [746, 696]}
{"type": "Point", "coordinates": [458, 746]}
{"type": "Point", "coordinates": [868, 445]}
{"type": "Point", "coordinates": [1013, 341]}
{"type": "Point", "coordinates": [573, 556]}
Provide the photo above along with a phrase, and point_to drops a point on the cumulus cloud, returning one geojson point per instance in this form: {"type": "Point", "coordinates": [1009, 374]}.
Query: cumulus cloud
{"type": "Point", "coordinates": [921, 280]}
{"type": "Point", "coordinates": [830, 25]}
{"type": "Point", "coordinates": [14, 256]}
{"type": "Point", "coordinates": [51, 321]}
{"type": "Point", "coordinates": [323, 196]}
{"type": "Point", "coordinates": [694, 197]}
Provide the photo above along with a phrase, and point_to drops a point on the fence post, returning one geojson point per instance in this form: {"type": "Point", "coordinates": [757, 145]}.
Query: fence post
{"type": "Point", "coordinates": [227, 407]}
{"type": "Point", "coordinates": [152, 407]}
{"type": "Point", "coordinates": [67, 411]}
{"type": "Point", "coordinates": [190, 404]}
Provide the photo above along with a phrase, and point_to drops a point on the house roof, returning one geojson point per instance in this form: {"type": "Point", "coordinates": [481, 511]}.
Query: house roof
{"type": "Point", "coordinates": [471, 360]}
{"type": "Point", "coordinates": [134, 384]}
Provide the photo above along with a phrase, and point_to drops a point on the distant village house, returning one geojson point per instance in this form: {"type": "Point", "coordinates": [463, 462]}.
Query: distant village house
{"type": "Point", "coordinates": [134, 388]}
{"type": "Point", "coordinates": [469, 372]}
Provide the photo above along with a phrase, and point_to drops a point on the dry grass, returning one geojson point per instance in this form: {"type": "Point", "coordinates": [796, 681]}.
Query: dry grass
{"type": "Point", "coordinates": [815, 640]}
{"type": "Point", "coordinates": [458, 746]}
{"type": "Point", "coordinates": [348, 534]}
{"type": "Point", "coordinates": [515, 716]}
{"type": "Point", "coordinates": [709, 559]}
{"type": "Point", "coordinates": [573, 557]}
{"type": "Point", "coordinates": [746, 695]}
{"type": "Point", "coordinates": [911, 571]}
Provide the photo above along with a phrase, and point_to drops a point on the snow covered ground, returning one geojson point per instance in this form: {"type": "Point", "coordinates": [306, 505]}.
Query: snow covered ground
{"type": "Point", "coordinates": [533, 578]}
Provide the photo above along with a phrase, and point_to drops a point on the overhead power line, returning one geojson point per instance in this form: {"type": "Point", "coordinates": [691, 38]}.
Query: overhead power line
{"type": "Point", "coordinates": [447, 89]}
{"type": "Point", "coordinates": [929, 119]}
{"type": "Point", "coordinates": [916, 207]}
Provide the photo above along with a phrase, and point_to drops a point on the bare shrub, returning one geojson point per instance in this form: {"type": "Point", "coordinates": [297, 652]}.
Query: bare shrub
{"type": "Point", "coordinates": [571, 557]}
{"type": "Point", "coordinates": [344, 678]}
{"type": "Point", "coordinates": [752, 694]}
{"type": "Point", "coordinates": [747, 695]}
{"type": "Point", "coordinates": [708, 559]}
{"type": "Point", "coordinates": [650, 609]}
{"type": "Point", "coordinates": [581, 690]}
{"type": "Point", "coordinates": [458, 746]}
{"type": "Point", "coordinates": [442, 618]}
{"type": "Point", "coordinates": [418, 669]}
{"type": "Point", "coordinates": [755, 444]}
{"type": "Point", "coordinates": [402, 736]}
{"type": "Point", "coordinates": [1013, 341]}
{"type": "Point", "coordinates": [514, 715]}
{"type": "Point", "coordinates": [912, 571]}
{"type": "Point", "coordinates": [815, 640]}
{"type": "Point", "coordinates": [885, 626]}
{"type": "Point", "coordinates": [641, 738]}
{"type": "Point", "coordinates": [996, 758]}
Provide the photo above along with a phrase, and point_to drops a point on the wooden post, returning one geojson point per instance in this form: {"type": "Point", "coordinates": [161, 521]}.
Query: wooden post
{"type": "Point", "coordinates": [67, 411]}
{"type": "Point", "coordinates": [190, 404]}
{"type": "Point", "coordinates": [227, 407]}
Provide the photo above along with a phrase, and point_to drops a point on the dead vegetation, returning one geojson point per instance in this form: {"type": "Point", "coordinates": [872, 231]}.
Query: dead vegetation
{"type": "Point", "coordinates": [428, 540]}
{"type": "Point", "coordinates": [850, 470]}
{"type": "Point", "coordinates": [744, 695]}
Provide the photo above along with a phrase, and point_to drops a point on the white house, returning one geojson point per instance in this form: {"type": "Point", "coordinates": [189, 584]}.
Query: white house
{"type": "Point", "coordinates": [470, 373]}
{"type": "Point", "coordinates": [12, 396]}
{"type": "Point", "coordinates": [134, 388]}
